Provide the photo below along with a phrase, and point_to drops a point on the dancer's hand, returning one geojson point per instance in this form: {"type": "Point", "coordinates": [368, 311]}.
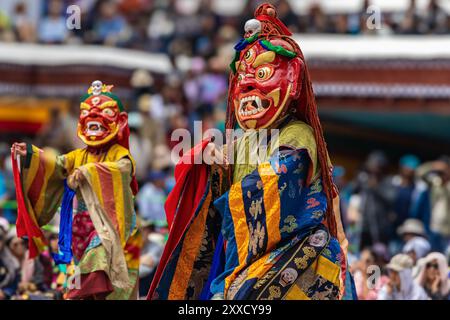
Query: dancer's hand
{"type": "Point", "coordinates": [215, 155]}
{"type": "Point", "coordinates": [19, 148]}
{"type": "Point", "coordinates": [75, 179]}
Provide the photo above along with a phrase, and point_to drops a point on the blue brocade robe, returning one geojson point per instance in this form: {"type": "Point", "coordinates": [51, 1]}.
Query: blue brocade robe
{"type": "Point", "coordinates": [264, 238]}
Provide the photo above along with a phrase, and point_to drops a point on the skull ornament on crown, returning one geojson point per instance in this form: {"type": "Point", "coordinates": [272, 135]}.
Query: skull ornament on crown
{"type": "Point", "coordinates": [266, 72]}
{"type": "Point", "coordinates": [102, 117]}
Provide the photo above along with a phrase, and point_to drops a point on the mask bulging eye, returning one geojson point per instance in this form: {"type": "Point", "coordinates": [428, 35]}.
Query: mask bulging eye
{"type": "Point", "coordinates": [84, 113]}
{"type": "Point", "coordinates": [264, 73]}
{"type": "Point", "coordinates": [249, 56]}
{"type": "Point", "coordinates": [108, 112]}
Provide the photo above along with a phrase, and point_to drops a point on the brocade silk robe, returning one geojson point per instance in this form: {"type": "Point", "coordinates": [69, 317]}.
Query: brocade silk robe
{"type": "Point", "coordinates": [271, 219]}
{"type": "Point", "coordinates": [105, 239]}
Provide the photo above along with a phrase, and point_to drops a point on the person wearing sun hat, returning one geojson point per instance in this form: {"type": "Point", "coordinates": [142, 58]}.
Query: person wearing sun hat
{"type": "Point", "coordinates": [432, 274]}
{"type": "Point", "coordinates": [401, 285]}
{"type": "Point", "coordinates": [411, 228]}
{"type": "Point", "coordinates": [413, 234]}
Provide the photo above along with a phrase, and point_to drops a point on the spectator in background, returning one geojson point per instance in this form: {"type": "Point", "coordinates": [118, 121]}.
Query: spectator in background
{"type": "Point", "coordinates": [401, 285]}
{"type": "Point", "coordinates": [409, 22]}
{"type": "Point", "coordinates": [364, 17]}
{"type": "Point", "coordinates": [151, 129]}
{"type": "Point", "coordinates": [182, 27]}
{"type": "Point", "coordinates": [381, 255]}
{"type": "Point", "coordinates": [33, 272]}
{"type": "Point", "coordinates": [7, 190]}
{"type": "Point", "coordinates": [4, 226]}
{"type": "Point", "coordinates": [9, 266]}
{"type": "Point", "coordinates": [339, 180]}
{"type": "Point", "coordinates": [23, 26]}
{"type": "Point", "coordinates": [18, 248]}
{"type": "Point", "coordinates": [151, 252]}
{"type": "Point", "coordinates": [69, 124]}
{"type": "Point", "coordinates": [162, 158]}
{"type": "Point", "coordinates": [285, 14]}
{"type": "Point", "coordinates": [110, 27]}
{"type": "Point", "coordinates": [433, 276]}
{"type": "Point", "coordinates": [52, 28]}
{"type": "Point", "coordinates": [213, 83]}
{"type": "Point", "coordinates": [151, 197]}
{"type": "Point", "coordinates": [437, 174]}
{"type": "Point", "coordinates": [53, 238]}
{"type": "Point", "coordinates": [140, 147]}
{"type": "Point", "coordinates": [435, 18]}
{"type": "Point", "coordinates": [340, 24]}
{"type": "Point", "coordinates": [58, 131]}
{"type": "Point", "coordinates": [361, 272]}
{"type": "Point", "coordinates": [413, 234]}
{"type": "Point", "coordinates": [317, 20]}
{"type": "Point", "coordinates": [3, 179]}
{"type": "Point", "coordinates": [142, 83]}
{"type": "Point", "coordinates": [376, 201]}
{"type": "Point", "coordinates": [204, 38]}
{"type": "Point", "coordinates": [6, 28]}
{"type": "Point", "coordinates": [412, 198]}
{"type": "Point", "coordinates": [161, 28]}
{"type": "Point", "coordinates": [191, 83]}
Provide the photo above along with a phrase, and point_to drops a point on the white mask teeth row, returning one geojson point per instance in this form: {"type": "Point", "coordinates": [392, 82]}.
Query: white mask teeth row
{"type": "Point", "coordinates": [253, 111]}
{"type": "Point", "coordinates": [94, 131]}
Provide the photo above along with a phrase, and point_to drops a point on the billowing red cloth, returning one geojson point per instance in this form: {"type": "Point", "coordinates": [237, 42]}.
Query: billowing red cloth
{"type": "Point", "coordinates": [25, 225]}
{"type": "Point", "coordinates": [190, 183]}
{"type": "Point", "coordinates": [94, 285]}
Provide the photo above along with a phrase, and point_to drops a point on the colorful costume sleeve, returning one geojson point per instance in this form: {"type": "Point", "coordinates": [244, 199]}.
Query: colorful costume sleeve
{"type": "Point", "coordinates": [39, 189]}
{"type": "Point", "coordinates": [194, 227]}
{"type": "Point", "coordinates": [109, 200]}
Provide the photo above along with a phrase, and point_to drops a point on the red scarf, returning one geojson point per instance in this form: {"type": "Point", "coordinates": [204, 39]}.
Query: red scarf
{"type": "Point", "coordinates": [25, 225]}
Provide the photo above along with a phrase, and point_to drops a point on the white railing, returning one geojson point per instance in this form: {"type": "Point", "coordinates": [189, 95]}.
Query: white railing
{"type": "Point", "coordinates": [313, 46]}
{"type": "Point", "coordinates": [57, 55]}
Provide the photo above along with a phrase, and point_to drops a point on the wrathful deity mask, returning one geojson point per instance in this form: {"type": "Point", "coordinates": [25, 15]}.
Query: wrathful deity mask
{"type": "Point", "coordinates": [267, 81]}
{"type": "Point", "coordinates": [102, 119]}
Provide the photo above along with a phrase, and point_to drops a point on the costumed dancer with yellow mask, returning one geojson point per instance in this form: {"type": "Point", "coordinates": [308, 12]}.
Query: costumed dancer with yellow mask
{"type": "Point", "coordinates": [95, 188]}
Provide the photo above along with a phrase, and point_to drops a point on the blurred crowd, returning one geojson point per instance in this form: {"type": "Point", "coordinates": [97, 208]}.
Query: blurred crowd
{"type": "Point", "coordinates": [398, 221]}
{"type": "Point", "coordinates": [196, 27]}
{"type": "Point", "coordinates": [398, 227]}
{"type": "Point", "coordinates": [397, 224]}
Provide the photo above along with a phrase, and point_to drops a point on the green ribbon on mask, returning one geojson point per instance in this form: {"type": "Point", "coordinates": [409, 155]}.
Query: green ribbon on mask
{"type": "Point", "coordinates": [277, 49]}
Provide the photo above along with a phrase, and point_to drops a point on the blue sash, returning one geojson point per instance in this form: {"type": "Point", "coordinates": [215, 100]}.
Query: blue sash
{"type": "Point", "coordinates": [64, 256]}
